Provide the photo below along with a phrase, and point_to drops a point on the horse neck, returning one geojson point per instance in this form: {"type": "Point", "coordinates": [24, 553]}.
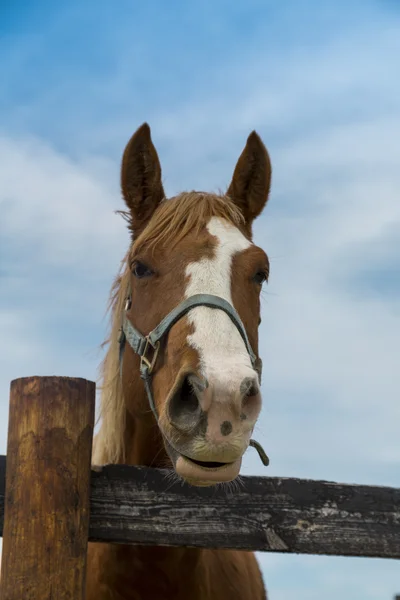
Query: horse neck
{"type": "Point", "coordinates": [142, 438]}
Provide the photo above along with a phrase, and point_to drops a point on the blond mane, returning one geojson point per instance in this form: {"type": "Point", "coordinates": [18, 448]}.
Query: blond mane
{"type": "Point", "coordinates": [108, 446]}
{"type": "Point", "coordinates": [171, 222]}
{"type": "Point", "coordinates": [186, 213]}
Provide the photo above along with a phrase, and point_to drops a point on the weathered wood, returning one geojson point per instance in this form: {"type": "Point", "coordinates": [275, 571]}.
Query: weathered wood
{"type": "Point", "coordinates": [137, 505]}
{"type": "Point", "coordinates": [47, 489]}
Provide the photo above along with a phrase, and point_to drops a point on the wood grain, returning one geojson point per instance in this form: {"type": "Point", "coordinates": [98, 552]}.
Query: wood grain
{"type": "Point", "coordinates": [47, 489]}
{"type": "Point", "coordinates": [136, 505]}
{"type": "Point", "coordinates": [139, 505]}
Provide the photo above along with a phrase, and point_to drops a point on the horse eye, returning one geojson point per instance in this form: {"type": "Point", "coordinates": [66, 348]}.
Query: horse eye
{"type": "Point", "coordinates": [260, 277]}
{"type": "Point", "coordinates": [140, 270]}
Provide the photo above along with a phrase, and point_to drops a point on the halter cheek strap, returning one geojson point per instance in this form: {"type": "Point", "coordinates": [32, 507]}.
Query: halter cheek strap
{"type": "Point", "coordinates": [147, 347]}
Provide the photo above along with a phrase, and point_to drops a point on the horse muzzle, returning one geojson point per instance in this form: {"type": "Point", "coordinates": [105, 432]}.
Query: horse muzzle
{"type": "Point", "coordinates": [204, 472]}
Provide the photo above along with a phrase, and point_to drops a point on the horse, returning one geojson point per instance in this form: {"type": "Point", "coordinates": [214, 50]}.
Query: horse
{"type": "Point", "coordinates": [180, 380]}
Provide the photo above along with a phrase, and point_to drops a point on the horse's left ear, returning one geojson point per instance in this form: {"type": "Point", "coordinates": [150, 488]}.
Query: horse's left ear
{"type": "Point", "coordinates": [251, 180]}
{"type": "Point", "coordinates": [141, 178]}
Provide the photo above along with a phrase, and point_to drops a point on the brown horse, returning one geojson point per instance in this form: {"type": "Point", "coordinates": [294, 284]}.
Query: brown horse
{"type": "Point", "coordinates": [187, 396]}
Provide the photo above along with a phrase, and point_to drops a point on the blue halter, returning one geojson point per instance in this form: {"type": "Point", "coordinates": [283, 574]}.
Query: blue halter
{"type": "Point", "coordinates": [147, 347]}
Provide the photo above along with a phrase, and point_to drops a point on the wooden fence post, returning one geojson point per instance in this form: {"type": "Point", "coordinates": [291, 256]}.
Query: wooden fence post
{"type": "Point", "coordinates": [47, 489]}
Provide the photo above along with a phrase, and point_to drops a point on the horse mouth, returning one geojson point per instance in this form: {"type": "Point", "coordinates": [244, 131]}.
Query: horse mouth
{"type": "Point", "coordinates": [206, 464]}
{"type": "Point", "coordinates": [202, 472]}
{"type": "Point", "coordinates": [206, 473]}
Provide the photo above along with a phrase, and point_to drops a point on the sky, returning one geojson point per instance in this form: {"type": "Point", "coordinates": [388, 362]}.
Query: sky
{"type": "Point", "coordinates": [319, 82]}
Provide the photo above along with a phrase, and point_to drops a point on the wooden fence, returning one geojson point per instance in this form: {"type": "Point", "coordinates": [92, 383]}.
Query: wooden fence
{"type": "Point", "coordinates": [52, 502]}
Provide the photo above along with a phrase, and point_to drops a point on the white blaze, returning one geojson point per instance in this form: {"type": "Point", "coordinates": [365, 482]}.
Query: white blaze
{"type": "Point", "coordinates": [223, 354]}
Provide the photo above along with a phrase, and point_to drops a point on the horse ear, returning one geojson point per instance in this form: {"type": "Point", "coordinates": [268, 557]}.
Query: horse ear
{"type": "Point", "coordinates": [141, 178]}
{"type": "Point", "coordinates": [251, 180]}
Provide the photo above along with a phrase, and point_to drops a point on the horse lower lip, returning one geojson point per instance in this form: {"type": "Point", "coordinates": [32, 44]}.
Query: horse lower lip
{"type": "Point", "coordinates": [206, 475]}
{"type": "Point", "coordinates": [206, 464]}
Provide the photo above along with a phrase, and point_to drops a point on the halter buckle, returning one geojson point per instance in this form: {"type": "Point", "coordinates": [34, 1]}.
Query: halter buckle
{"type": "Point", "coordinates": [149, 362]}
{"type": "Point", "coordinates": [128, 303]}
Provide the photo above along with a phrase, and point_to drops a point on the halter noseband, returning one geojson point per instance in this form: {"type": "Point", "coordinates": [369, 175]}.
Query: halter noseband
{"type": "Point", "coordinates": [147, 347]}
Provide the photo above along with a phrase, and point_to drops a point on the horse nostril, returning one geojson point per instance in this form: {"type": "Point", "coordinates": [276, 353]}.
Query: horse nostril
{"type": "Point", "coordinates": [249, 387]}
{"type": "Point", "coordinates": [252, 391]}
{"type": "Point", "coordinates": [251, 399]}
{"type": "Point", "coordinates": [184, 407]}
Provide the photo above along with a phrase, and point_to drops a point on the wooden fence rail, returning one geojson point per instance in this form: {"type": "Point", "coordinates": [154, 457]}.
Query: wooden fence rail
{"type": "Point", "coordinates": [50, 488]}
{"type": "Point", "coordinates": [136, 505]}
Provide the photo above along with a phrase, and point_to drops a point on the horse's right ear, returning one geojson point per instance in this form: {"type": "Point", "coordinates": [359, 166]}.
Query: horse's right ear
{"type": "Point", "coordinates": [141, 179]}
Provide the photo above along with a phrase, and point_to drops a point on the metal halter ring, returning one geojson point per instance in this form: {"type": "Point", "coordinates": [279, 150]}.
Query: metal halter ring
{"type": "Point", "coordinates": [128, 303]}
{"type": "Point", "coordinates": [149, 362]}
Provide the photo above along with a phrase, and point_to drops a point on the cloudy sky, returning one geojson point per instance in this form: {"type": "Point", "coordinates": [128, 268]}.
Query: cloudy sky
{"type": "Point", "coordinates": [320, 82]}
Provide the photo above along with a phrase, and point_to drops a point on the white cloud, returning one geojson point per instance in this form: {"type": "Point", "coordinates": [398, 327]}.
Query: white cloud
{"type": "Point", "coordinates": [319, 340]}
{"type": "Point", "coordinates": [55, 204]}
{"type": "Point", "coordinates": [61, 245]}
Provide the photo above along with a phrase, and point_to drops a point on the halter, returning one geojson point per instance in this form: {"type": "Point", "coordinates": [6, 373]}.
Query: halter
{"type": "Point", "coordinates": [147, 347]}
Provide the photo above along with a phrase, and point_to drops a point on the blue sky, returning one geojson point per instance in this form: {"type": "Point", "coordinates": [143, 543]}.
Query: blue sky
{"type": "Point", "coordinates": [319, 82]}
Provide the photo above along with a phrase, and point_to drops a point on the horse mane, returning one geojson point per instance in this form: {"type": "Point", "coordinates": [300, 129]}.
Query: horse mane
{"type": "Point", "coordinates": [186, 213]}
{"type": "Point", "coordinates": [172, 221]}
{"type": "Point", "coordinates": [108, 445]}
